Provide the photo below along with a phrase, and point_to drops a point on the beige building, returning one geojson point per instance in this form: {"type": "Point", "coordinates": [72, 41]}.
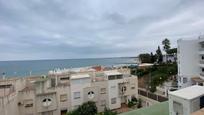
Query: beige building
{"type": "Point", "coordinates": [58, 92]}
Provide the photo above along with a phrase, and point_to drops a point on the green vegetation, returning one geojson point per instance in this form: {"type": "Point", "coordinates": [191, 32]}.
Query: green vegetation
{"type": "Point", "coordinates": [166, 44]}
{"type": "Point", "coordinates": [172, 51]}
{"type": "Point", "coordinates": [148, 58]}
{"type": "Point", "coordinates": [145, 58]}
{"type": "Point", "coordinates": [88, 108]}
{"type": "Point", "coordinates": [159, 55]}
{"type": "Point", "coordinates": [108, 112]}
{"type": "Point", "coordinates": [158, 74]}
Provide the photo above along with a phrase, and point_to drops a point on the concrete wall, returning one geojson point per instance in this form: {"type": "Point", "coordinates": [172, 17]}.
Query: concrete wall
{"type": "Point", "coordinates": [185, 105]}
{"type": "Point", "coordinates": [77, 85]}
{"type": "Point", "coordinates": [113, 92]}
{"type": "Point", "coordinates": [8, 105]}
{"type": "Point", "coordinates": [188, 60]}
{"type": "Point", "coordinates": [103, 96]}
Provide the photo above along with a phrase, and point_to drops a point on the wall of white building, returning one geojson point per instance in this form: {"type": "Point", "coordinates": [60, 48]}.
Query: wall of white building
{"type": "Point", "coordinates": [77, 85]}
{"type": "Point", "coordinates": [113, 92]}
{"type": "Point", "coordinates": [188, 61]}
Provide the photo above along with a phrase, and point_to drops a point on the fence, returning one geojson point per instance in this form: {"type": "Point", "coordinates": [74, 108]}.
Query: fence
{"type": "Point", "coordinates": [152, 95]}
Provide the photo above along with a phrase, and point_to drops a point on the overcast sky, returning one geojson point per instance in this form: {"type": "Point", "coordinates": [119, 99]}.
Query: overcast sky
{"type": "Point", "coordinates": [52, 29]}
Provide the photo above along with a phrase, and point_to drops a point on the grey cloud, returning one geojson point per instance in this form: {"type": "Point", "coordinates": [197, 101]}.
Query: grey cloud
{"type": "Point", "coordinates": [41, 29]}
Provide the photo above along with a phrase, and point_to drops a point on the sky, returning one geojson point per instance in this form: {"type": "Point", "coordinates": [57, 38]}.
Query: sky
{"type": "Point", "coordinates": [64, 29]}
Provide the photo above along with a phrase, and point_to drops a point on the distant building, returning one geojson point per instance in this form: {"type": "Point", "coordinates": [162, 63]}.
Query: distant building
{"type": "Point", "coordinates": [190, 54]}
{"type": "Point", "coordinates": [61, 92]}
{"type": "Point", "coordinates": [169, 58]}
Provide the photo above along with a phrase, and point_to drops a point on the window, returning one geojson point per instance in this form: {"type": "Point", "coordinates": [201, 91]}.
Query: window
{"type": "Point", "coordinates": [103, 90]}
{"type": "Point", "coordinates": [111, 77]}
{"type": "Point", "coordinates": [124, 89]}
{"type": "Point", "coordinates": [64, 78]}
{"type": "Point", "coordinates": [119, 76]}
{"type": "Point", "coordinates": [202, 69]}
{"type": "Point", "coordinates": [113, 100]}
{"type": "Point", "coordinates": [103, 102]}
{"type": "Point", "coordinates": [185, 80]}
{"type": "Point", "coordinates": [63, 97]}
{"type": "Point", "coordinates": [76, 95]}
{"type": "Point", "coordinates": [64, 112]}
{"type": "Point", "coordinates": [133, 87]}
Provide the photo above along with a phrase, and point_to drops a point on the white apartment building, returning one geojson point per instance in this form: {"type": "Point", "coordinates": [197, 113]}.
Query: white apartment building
{"type": "Point", "coordinates": [63, 92]}
{"type": "Point", "coordinates": [190, 54]}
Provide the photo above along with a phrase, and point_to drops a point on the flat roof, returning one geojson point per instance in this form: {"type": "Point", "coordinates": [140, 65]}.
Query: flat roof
{"type": "Point", "coordinates": [108, 73]}
{"type": "Point", "coordinates": [189, 92]}
{"type": "Point", "coordinates": [79, 76]}
{"type": "Point", "coordinates": [157, 109]}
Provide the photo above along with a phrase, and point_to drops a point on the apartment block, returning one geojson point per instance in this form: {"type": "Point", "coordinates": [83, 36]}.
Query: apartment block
{"type": "Point", "coordinates": [60, 92]}
{"type": "Point", "coordinates": [190, 54]}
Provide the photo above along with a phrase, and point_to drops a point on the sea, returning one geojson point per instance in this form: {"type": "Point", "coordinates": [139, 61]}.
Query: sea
{"type": "Point", "coordinates": [41, 67]}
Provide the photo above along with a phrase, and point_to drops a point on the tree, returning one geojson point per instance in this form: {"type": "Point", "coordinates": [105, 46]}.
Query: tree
{"type": "Point", "coordinates": [172, 51]}
{"type": "Point", "coordinates": [145, 58]}
{"type": "Point", "coordinates": [159, 55]}
{"type": "Point", "coordinates": [166, 44]}
{"type": "Point", "coordinates": [88, 108]}
{"type": "Point", "coordinates": [152, 57]}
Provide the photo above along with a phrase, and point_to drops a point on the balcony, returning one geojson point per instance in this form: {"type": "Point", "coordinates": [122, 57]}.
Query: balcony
{"type": "Point", "coordinates": [201, 61]}
{"type": "Point", "coordinates": [201, 49]}
{"type": "Point", "coordinates": [202, 74]}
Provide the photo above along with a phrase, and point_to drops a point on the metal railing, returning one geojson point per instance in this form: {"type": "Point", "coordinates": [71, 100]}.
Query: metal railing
{"type": "Point", "coordinates": [201, 61]}
{"type": "Point", "coordinates": [152, 95]}
{"type": "Point", "coordinates": [202, 74]}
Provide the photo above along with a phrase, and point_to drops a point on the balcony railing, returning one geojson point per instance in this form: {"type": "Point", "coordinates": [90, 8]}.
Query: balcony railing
{"type": "Point", "coordinates": [201, 49]}
{"type": "Point", "coordinates": [201, 61]}
{"type": "Point", "coordinates": [202, 74]}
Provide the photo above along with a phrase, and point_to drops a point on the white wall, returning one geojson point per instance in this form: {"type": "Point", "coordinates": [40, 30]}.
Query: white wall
{"type": "Point", "coordinates": [188, 59]}
{"type": "Point", "coordinates": [185, 104]}
{"type": "Point", "coordinates": [113, 92]}
{"type": "Point", "coordinates": [77, 85]}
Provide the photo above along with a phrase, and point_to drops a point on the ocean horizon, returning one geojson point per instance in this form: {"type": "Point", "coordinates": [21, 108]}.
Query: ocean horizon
{"type": "Point", "coordinates": [22, 68]}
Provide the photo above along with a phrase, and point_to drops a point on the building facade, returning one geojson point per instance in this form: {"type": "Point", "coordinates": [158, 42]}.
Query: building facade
{"type": "Point", "coordinates": [190, 54]}
{"type": "Point", "coordinates": [59, 93]}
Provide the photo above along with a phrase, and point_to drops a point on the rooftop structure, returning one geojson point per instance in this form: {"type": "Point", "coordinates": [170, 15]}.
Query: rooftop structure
{"type": "Point", "coordinates": [189, 92]}
{"type": "Point", "coordinates": [186, 101]}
